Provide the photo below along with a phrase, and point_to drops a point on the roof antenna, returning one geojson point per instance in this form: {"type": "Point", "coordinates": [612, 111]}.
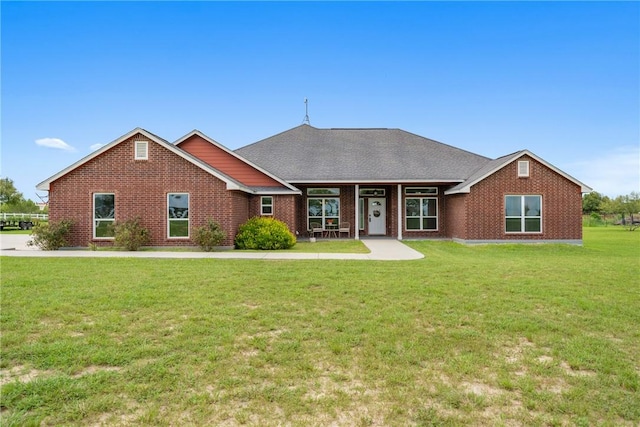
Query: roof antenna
{"type": "Point", "coordinates": [306, 110]}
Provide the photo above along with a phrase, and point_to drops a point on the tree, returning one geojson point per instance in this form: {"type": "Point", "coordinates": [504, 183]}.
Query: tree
{"type": "Point", "coordinates": [11, 200]}
{"type": "Point", "coordinates": [630, 204]}
{"type": "Point", "coordinates": [591, 203]}
{"type": "Point", "coordinates": [8, 192]}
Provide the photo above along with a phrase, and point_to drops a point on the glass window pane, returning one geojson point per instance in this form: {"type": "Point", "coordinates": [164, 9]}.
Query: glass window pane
{"type": "Point", "coordinates": [429, 224]}
{"type": "Point", "coordinates": [105, 206]}
{"type": "Point", "coordinates": [532, 225]}
{"type": "Point", "coordinates": [178, 206]}
{"type": "Point", "coordinates": [428, 207]}
{"type": "Point", "coordinates": [331, 222]}
{"type": "Point", "coordinates": [179, 228]}
{"type": "Point", "coordinates": [322, 191]}
{"type": "Point", "coordinates": [104, 229]}
{"type": "Point", "coordinates": [532, 205]}
{"type": "Point", "coordinates": [315, 207]}
{"type": "Point", "coordinates": [412, 207]}
{"type": "Point", "coordinates": [513, 225]}
{"type": "Point", "coordinates": [513, 205]}
{"type": "Point", "coordinates": [332, 207]}
{"type": "Point", "coordinates": [413, 223]}
{"type": "Point", "coordinates": [421, 190]}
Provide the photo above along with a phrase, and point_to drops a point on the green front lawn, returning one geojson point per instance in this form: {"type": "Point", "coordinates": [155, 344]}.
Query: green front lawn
{"type": "Point", "coordinates": [470, 335]}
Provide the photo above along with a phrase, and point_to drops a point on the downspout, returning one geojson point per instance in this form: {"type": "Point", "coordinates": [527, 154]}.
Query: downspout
{"type": "Point", "coordinates": [399, 211]}
{"type": "Point", "coordinates": [356, 232]}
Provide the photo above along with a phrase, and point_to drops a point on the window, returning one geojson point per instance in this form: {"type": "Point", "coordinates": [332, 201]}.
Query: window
{"type": "Point", "coordinates": [142, 150]}
{"type": "Point", "coordinates": [420, 191]}
{"type": "Point", "coordinates": [523, 214]}
{"type": "Point", "coordinates": [372, 192]}
{"type": "Point", "coordinates": [266, 205]}
{"type": "Point", "coordinates": [523, 168]}
{"type": "Point", "coordinates": [104, 214]}
{"type": "Point", "coordinates": [178, 215]}
{"type": "Point", "coordinates": [361, 213]}
{"type": "Point", "coordinates": [421, 213]}
{"type": "Point", "coordinates": [323, 191]}
{"type": "Point", "coordinates": [323, 211]}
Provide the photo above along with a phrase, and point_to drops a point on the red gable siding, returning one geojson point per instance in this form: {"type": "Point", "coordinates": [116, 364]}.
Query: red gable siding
{"type": "Point", "coordinates": [226, 163]}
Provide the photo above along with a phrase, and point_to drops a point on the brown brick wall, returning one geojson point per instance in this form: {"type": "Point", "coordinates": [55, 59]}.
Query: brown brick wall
{"type": "Point", "coordinates": [455, 216]}
{"type": "Point", "coordinates": [140, 188]}
{"type": "Point", "coordinates": [561, 204]}
{"type": "Point", "coordinates": [284, 209]}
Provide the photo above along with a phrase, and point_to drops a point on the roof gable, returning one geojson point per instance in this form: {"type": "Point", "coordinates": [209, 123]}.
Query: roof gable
{"type": "Point", "coordinates": [232, 184]}
{"type": "Point", "coordinates": [218, 156]}
{"type": "Point", "coordinates": [495, 165]}
{"type": "Point", "coordinates": [306, 154]}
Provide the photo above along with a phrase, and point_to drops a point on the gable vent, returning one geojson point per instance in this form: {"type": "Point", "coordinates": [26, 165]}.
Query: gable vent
{"type": "Point", "coordinates": [142, 150]}
{"type": "Point", "coordinates": [523, 168]}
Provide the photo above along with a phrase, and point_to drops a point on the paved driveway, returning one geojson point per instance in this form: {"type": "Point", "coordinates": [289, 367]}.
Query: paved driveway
{"type": "Point", "coordinates": [15, 242]}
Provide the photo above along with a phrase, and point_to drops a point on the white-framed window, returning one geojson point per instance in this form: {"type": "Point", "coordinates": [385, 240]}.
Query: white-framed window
{"type": "Point", "coordinates": [323, 191]}
{"type": "Point", "coordinates": [323, 211]}
{"type": "Point", "coordinates": [141, 150]}
{"type": "Point", "coordinates": [266, 205]}
{"type": "Point", "coordinates": [420, 191]}
{"type": "Point", "coordinates": [178, 215]}
{"type": "Point", "coordinates": [372, 192]}
{"type": "Point", "coordinates": [361, 213]}
{"type": "Point", "coordinates": [523, 168]}
{"type": "Point", "coordinates": [523, 214]}
{"type": "Point", "coordinates": [104, 215]}
{"type": "Point", "coordinates": [421, 213]}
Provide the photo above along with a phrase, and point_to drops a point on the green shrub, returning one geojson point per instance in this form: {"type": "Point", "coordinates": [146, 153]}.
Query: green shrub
{"type": "Point", "coordinates": [264, 233]}
{"type": "Point", "coordinates": [130, 234]}
{"type": "Point", "coordinates": [209, 236]}
{"type": "Point", "coordinates": [50, 236]}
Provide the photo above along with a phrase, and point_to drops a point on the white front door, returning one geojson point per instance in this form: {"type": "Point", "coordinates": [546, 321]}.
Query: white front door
{"type": "Point", "coordinates": [377, 217]}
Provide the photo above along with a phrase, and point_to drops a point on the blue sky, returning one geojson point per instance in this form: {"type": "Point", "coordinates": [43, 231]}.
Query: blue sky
{"type": "Point", "coordinates": [558, 78]}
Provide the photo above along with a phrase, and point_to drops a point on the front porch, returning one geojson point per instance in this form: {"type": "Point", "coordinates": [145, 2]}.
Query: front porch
{"type": "Point", "coordinates": [397, 211]}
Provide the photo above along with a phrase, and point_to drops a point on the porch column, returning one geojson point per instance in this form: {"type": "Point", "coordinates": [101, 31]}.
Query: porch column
{"type": "Point", "coordinates": [356, 231]}
{"type": "Point", "coordinates": [399, 211]}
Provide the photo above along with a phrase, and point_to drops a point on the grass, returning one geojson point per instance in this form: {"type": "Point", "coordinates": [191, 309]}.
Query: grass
{"type": "Point", "coordinates": [481, 335]}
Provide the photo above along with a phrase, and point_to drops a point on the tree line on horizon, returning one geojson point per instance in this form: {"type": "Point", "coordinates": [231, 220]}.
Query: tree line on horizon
{"type": "Point", "coordinates": [13, 201]}
{"type": "Point", "coordinates": [624, 208]}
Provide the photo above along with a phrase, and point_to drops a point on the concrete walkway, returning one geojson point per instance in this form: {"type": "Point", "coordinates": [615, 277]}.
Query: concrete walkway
{"type": "Point", "coordinates": [381, 250]}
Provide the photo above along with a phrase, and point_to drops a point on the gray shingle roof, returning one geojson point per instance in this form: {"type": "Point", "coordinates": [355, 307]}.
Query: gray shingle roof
{"type": "Point", "coordinates": [307, 154]}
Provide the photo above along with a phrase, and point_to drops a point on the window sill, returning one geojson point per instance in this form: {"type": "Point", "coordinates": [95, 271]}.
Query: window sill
{"type": "Point", "coordinates": [522, 232]}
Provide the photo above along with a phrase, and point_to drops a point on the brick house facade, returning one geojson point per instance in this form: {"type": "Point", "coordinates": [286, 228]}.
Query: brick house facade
{"type": "Point", "coordinates": [518, 197]}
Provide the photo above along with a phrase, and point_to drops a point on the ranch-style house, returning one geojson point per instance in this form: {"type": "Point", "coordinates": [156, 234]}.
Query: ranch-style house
{"type": "Point", "coordinates": [351, 183]}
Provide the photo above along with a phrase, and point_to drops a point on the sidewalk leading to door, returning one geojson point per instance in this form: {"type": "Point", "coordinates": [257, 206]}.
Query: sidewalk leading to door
{"type": "Point", "coordinates": [381, 250]}
{"type": "Point", "coordinates": [390, 250]}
